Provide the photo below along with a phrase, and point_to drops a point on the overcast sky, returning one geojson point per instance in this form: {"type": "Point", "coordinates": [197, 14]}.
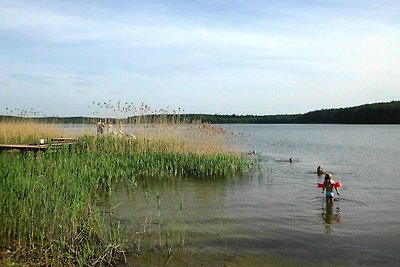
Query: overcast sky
{"type": "Point", "coordinates": [206, 56]}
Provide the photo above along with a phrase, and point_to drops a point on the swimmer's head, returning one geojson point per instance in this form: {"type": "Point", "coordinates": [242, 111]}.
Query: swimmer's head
{"type": "Point", "coordinates": [328, 176]}
{"type": "Point", "coordinates": [320, 170]}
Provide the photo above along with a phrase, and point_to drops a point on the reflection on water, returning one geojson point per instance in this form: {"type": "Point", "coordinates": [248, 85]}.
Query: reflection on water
{"type": "Point", "coordinates": [330, 215]}
{"type": "Point", "coordinates": [277, 216]}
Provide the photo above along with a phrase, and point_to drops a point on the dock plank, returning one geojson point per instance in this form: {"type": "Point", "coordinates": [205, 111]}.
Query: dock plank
{"type": "Point", "coordinates": [22, 147]}
{"type": "Point", "coordinates": [63, 139]}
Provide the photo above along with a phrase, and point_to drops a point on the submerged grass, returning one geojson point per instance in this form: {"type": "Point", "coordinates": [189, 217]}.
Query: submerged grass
{"type": "Point", "coordinates": [49, 203]}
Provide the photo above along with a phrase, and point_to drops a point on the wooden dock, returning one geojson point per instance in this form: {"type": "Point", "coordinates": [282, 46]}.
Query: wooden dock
{"type": "Point", "coordinates": [24, 148]}
{"type": "Point", "coordinates": [63, 140]}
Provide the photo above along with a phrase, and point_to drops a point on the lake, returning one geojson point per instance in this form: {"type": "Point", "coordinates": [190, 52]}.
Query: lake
{"type": "Point", "coordinates": [279, 216]}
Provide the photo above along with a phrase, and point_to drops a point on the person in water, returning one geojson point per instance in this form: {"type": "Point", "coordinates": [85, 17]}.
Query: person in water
{"type": "Point", "coordinates": [329, 188]}
{"type": "Point", "coordinates": [100, 127]}
{"type": "Point", "coordinates": [320, 170]}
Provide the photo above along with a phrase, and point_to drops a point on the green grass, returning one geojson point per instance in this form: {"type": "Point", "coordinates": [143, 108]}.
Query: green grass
{"type": "Point", "coordinates": [49, 203]}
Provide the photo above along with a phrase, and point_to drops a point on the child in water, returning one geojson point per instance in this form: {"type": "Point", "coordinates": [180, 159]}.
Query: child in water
{"type": "Point", "coordinates": [329, 188]}
{"type": "Point", "coordinates": [320, 170]}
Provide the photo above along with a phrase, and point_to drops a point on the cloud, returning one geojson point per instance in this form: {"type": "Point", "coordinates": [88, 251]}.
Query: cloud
{"type": "Point", "coordinates": [47, 80]}
{"type": "Point", "coordinates": [115, 92]}
{"type": "Point", "coordinates": [81, 91]}
{"type": "Point", "coordinates": [41, 80]}
{"type": "Point", "coordinates": [80, 82]}
{"type": "Point", "coordinates": [280, 50]}
{"type": "Point", "coordinates": [46, 25]}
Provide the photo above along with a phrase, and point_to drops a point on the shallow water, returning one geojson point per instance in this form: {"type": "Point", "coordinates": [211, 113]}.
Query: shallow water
{"type": "Point", "coordinates": [279, 217]}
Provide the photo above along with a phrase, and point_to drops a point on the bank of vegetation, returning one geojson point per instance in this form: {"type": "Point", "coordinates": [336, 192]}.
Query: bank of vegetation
{"type": "Point", "coordinates": [53, 205]}
{"type": "Point", "coordinates": [377, 113]}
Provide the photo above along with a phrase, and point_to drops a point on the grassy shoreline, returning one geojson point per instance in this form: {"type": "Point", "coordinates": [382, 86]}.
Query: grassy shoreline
{"type": "Point", "coordinates": [50, 206]}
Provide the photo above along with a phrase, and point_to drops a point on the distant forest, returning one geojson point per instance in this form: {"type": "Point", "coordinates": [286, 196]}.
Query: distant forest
{"type": "Point", "coordinates": [377, 113]}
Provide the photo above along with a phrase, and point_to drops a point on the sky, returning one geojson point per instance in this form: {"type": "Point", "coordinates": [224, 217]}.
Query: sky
{"type": "Point", "coordinates": [207, 56]}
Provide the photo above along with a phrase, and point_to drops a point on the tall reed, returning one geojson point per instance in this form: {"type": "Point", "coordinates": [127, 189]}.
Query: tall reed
{"type": "Point", "coordinates": [49, 203]}
{"type": "Point", "coordinates": [27, 131]}
{"type": "Point", "coordinates": [48, 210]}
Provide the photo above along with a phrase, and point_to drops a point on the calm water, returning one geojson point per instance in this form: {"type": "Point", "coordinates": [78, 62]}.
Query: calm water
{"type": "Point", "coordinates": [280, 217]}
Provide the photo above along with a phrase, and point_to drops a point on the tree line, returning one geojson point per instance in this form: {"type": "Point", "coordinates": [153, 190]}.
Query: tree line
{"type": "Point", "coordinates": [377, 113]}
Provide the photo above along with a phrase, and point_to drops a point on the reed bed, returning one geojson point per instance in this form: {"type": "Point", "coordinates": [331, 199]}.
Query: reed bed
{"type": "Point", "coordinates": [148, 158]}
{"type": "Point", "coordinates": [48, 210]}
{"type": "Point", "coordinates": [27, 131]}
{"type": "Point", "coordinates": [50, 203]}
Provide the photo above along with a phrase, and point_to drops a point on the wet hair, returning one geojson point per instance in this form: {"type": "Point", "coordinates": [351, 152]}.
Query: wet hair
{"type": "Point", "coordinates": [328, 176]}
